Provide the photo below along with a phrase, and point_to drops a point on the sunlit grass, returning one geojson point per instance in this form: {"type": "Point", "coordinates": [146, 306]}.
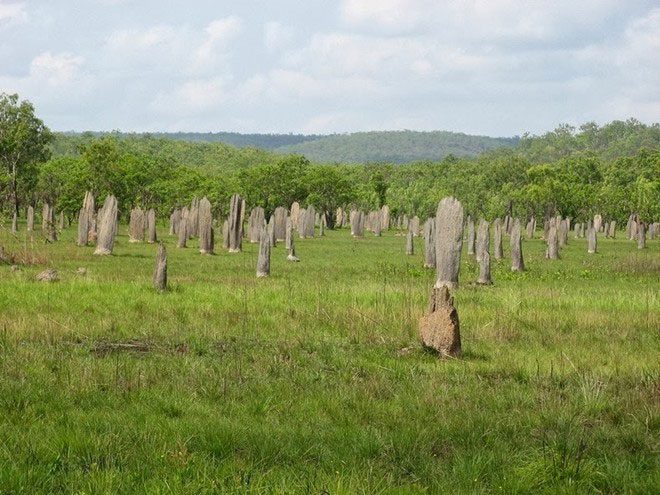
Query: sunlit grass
{"type": "Point", "coordinates": [313, 381]}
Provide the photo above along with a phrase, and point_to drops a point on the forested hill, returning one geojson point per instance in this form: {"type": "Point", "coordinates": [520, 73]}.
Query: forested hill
{"type": "Point", "coordinates": [361, 147]}
{"type": "Point", "coordinates": [395, 146]}
{"type": "Point", "coordinates": [612, 170]}
{"type": "Point", "coordinates": [608, 142]}
{"type": "Point", "coordinates": [263, 141]}
{"type": "Point", "coordinates": [210, 156]}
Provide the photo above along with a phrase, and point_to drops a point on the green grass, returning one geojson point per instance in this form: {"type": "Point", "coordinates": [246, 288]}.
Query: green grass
{"type": "Point", "coordinates": [313, 380]}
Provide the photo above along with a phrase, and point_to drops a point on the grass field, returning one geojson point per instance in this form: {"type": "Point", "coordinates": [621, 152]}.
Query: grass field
{"type": "Point", "coordinates": [313, 380]}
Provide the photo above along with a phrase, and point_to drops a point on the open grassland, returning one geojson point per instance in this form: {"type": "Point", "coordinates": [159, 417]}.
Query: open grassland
{"type": "Point", "coordinates": [313, 380]}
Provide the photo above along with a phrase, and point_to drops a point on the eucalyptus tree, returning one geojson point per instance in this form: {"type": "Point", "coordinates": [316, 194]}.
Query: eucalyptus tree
{"type": "Point", "coordinates": [24, 140]}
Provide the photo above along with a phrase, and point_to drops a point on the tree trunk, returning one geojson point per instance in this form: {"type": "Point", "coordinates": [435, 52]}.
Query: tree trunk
{"type": "Point", "coordinates": [330, 218]}
{"type": "Point", "coordinates": [14, 189]}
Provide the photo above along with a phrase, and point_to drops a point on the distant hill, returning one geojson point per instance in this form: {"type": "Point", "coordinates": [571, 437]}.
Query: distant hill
{"type": "Point", "coordinates": [263, 141]}
{"type": "Point", "coordinates": [609, 142]}
{"type": "Point", "coordinates": [395, 146]}
{"type": "Point", "coordinates": [360, 147]}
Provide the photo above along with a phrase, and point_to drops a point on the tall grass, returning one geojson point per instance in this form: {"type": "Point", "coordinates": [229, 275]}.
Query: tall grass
{"type": "Point", "coordinates": [313, 380]}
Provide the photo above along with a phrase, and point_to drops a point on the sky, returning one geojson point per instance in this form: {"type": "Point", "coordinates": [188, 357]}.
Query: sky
{"type": "Point", "coordinates": [492, 67]}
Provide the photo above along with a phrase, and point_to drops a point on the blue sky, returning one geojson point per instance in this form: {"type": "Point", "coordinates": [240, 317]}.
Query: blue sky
{"type": "Point", "coordinates": [495, 67]}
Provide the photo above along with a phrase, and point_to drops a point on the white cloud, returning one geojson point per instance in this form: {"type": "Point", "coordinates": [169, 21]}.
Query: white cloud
{"type": "Point", "coordinates": [173, 51]}
{"type": "Point", "coordinates": [192, 97]}
{"type": "Point", "coordinates": [218, 34]}
{"type": "Point", "coordinates": [58, 86]}
{"type": "Point", "coordinates": [494, 66]}
{"type": "Point", "coordinates": [642, 42]}
{"type": "Point", "coordinates": [277, 36]}
{"type": "Point", "coordinates": [486, 21]}
{"type": "Point", "coordinates": [138, 51]}
{"type": "Point", "coordinates": [225, 29]}
{"type": "Point", "coordinates": [392, 15]}
{"type": "Point", "coordinates": [252, 89]}
{"type": "Point", "coordinates": [633, 66]}
{"type": "Point", "coordinates": [379, 80]}
{"type": "Point", "coordinates": [56, 69]}
{"type": "Point", "coordinates": [114, 3]}
{"type": "Point", "coordinates": [126, 40]}
{"type": "Point", "coordinates": [392, 61]}
{"type": "Point", "coordinates": [323, 123]}
{"type": "Point", "coordinates": [12, 13]}
{"type": "Point", "coordinates": [294, 85]}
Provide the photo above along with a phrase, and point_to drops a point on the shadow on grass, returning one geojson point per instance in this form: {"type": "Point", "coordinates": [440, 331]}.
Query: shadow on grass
{"type": "Point", "coordinates": [465, 355]}
{"type": "Point", "coordinates": [474, 356]}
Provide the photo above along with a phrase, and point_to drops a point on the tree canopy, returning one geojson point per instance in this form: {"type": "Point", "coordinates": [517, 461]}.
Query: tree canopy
{"type": "Point", "coordinates": [23, 144]}
{"type": "Point", "coordinates": [613, 170]}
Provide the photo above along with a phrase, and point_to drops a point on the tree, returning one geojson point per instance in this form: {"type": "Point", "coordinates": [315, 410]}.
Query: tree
{"type": "Point", "coordinates": [24, 143]}
{"type": "Point", "coordinates": [62, 181]}
{"type": "Point", "coordinates": [273, 185]}
{"type": "Point", "coordinates": [105, 164]}
{"type": "Point", "coordinates": [329, 188]}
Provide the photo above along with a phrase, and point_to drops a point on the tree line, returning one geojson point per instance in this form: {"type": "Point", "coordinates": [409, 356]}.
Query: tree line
{"type": "Point", "coordinates": [395, 146]}
{"type": "Point", "coordinates": [584, 175]}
